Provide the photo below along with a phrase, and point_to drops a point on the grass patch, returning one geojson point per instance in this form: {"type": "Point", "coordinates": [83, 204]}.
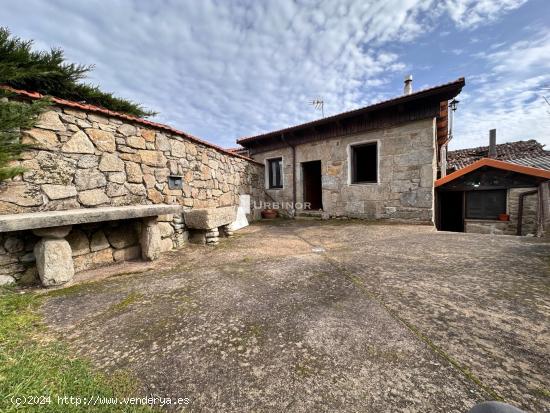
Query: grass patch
{"type": "Point", "coordinates": [125, 303]}
{"type": "Point", "coordinates": [542, 392]}
{"type": "Point", "coordinates": [34, 364]}
{"type": "Point", "coordinates": [74, 289]}
{"type": "Point", "coordinates": [303, 369]}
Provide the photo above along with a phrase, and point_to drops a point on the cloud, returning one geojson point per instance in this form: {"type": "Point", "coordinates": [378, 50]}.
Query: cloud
{"type": "Point", "coordinates": [221, 70]}
{"type": "Point", "coordinates": [526, 56]}
{"type": "Point", "coordinates": [508, 96]}
{"type": "Point", "coordinates": [473, 13]}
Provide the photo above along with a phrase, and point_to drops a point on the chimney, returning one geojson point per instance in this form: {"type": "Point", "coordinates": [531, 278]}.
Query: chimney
{"type": "Point", "coordinates": [408, 84]}
{"type": "Point", "coordinates": [492, 143]}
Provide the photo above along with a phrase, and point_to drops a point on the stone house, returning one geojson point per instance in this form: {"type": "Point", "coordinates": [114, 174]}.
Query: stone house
{"type": "Point", "coordinates": [83, 156]}
{"type": "Point", "coordinates": [377, 162]}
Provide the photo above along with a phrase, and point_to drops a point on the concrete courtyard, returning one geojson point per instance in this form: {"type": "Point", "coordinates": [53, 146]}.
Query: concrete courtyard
{"type": "Point", "coordinates": [306, 316]}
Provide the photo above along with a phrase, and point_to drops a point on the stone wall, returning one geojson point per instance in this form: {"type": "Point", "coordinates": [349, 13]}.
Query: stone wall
{"type": "Point", "coordinates": [487, 226]}
{"type": "Point", "coordinates": [407, 170]}
{"type": "Point", "coordinates": [83, 159]}
{"type": "Point", "coordinates": [529, 221]}
{"type": "Point", "coordinates": [87, 160]}
{"type": "Point", "coordinates": [92, 245]}
{"type": "Point", "coordinates": [545, 195]}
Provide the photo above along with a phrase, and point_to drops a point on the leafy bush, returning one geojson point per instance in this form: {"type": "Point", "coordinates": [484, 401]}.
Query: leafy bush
{"type": "Point", "coordinates": [47, 72]}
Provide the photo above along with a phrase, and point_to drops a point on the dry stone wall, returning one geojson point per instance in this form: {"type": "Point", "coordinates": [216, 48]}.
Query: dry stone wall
{"type": "Point", "coordinates": [82, 159]}
{"type": "Point", "coordinates": [87, 160]}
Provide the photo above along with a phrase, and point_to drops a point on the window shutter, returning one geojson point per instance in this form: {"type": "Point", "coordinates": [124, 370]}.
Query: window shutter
{"type": "Point", "coordinates": [485, 204]}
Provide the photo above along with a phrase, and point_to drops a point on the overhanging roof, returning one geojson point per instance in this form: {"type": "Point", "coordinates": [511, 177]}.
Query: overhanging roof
{"type": "Point", "coordinates": [493, 163]}
{"type": "Point", "coordinates": [446, 91]}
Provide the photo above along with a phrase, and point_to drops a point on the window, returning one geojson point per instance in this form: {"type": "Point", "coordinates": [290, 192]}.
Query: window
{"type": "Point", "coordinates": [364, 163]}
{"type": "Point", "coordinates": [175, 182]}
{"type": "Point", "coordinates": [485, 204]}
{"type": "Point", "coordinates": [275, 167]}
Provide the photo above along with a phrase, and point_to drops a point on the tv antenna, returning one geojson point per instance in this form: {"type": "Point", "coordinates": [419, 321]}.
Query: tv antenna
{"type": "Point", "coordinates": [318, 104]}
{"type": "Point", "coordinates": [545, 98]}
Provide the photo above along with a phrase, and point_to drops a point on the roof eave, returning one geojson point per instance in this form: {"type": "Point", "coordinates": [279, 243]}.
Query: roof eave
{"type": "Point", "coordinates": [449, 90]}
{"type": "Point", "coordinates": [507, 166]}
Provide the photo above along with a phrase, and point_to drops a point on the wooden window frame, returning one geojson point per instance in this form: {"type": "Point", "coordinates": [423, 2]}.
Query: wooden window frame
{"type": "Point", "coordinates": [271, 184]}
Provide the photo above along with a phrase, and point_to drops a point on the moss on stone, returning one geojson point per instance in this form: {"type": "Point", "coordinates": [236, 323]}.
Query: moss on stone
{"type": "Point", "coordinates": [130, 299]}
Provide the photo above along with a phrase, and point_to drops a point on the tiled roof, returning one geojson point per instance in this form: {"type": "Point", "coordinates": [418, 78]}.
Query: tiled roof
{"type": "Point", "coordinates": [118, 115]}
{"type": "Point", "coordinates": [519, 152]}
{"type": "Point", "coordinates": [241, 151]}
{"type": "Point", "coordinates": [542, 162]}
{"type": "Point", "coordinates": [453, 87]}
{"type": "Point", "coordinates": [493, 163]}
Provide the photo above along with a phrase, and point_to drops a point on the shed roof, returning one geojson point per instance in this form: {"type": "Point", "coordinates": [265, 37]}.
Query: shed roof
{"type": "Point", "coordinates": [542, 162]}
{"type": "Point", "coordinates": [448, 90]}
{"type": "Point", "coordinates": [493, 163]}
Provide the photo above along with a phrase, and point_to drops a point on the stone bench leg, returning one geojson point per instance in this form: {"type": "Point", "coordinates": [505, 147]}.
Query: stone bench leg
{"type": "Point", "coordinates": [180, 235]}
{"type": "Point", "coordinates": [226, 231]}
{"type": "Point", "coordinates": [150, 239]}
{"type": "Point", "coordinates": [54, 258]}
{"type": "Point", "coordinates": [212, 236]}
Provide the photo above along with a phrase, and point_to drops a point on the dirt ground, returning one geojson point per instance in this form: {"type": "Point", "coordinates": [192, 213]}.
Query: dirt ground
{"type": "Point", "coordinates": [305, 316]}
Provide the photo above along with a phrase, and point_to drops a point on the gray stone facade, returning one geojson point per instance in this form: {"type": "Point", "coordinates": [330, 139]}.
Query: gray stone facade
{"type": "Point", "coordinates": [83, 159]}
{"type": "Point", "coordinates": [406, 173]}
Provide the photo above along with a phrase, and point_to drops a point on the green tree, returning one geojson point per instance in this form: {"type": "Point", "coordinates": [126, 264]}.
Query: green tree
{"type": "Point", "coordinates": [46, 73]}
{"type": "Point", "coordinates": [15, 116]}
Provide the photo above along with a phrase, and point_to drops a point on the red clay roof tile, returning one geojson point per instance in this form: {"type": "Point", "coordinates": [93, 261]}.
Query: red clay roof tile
{"type": "Point", "coordinates": [97, 109]}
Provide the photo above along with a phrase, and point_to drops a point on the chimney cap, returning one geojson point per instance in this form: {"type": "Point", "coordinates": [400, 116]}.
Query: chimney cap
{"type": "Point", "coordinates": [407, 90]}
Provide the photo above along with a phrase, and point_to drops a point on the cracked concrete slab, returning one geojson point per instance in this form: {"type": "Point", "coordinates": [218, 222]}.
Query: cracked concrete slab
{"type": "Point", "coordinates": [325, 316]}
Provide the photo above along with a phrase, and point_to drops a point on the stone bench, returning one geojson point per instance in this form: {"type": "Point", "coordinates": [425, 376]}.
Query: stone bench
{"type": "Point", "coordinates": [53, 253]}
{"type": "Point", "coordinates": [206, 224]}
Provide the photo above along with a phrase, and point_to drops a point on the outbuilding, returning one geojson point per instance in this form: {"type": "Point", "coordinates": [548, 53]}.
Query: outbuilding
{"type": "Point", "coordinates": [495, 197]}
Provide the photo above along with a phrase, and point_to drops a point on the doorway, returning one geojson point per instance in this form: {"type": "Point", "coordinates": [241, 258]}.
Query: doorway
{"type": "Point", "coordinates": [311, 178]}
{"type": "Point", "coordinates": [451, 211]}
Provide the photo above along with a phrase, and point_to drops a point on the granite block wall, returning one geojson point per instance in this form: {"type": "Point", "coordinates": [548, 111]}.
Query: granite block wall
{"type": "Point", "coordinates": [83, 159]}
{"type": "Point", "coordinates": [406, 169]}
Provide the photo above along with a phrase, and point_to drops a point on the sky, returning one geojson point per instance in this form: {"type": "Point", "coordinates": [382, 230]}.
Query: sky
{"type": "Point", "coordinates": [224, 69]}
